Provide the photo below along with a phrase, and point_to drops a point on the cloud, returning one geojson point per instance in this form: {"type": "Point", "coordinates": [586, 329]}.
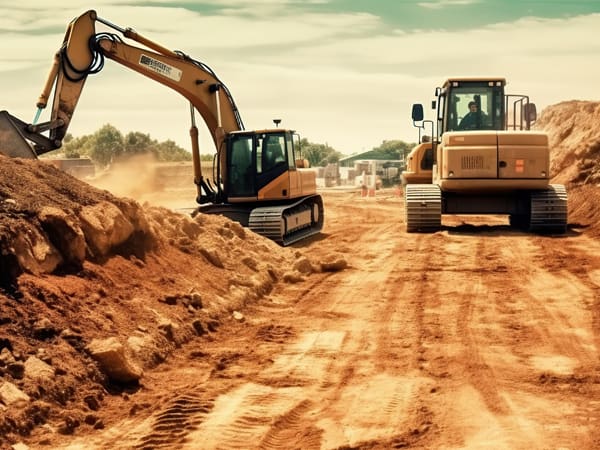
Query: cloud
{"type": "Point", "coordinates": [439, 4]}
{"type": "Point", "coordinates": [341, 78]}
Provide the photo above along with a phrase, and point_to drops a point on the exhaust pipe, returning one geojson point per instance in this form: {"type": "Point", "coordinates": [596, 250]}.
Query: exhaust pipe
{"type": "Point", "coordinates": [21, 140]}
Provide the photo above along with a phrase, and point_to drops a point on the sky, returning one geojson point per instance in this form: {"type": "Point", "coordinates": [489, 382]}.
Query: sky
{"type": "Point", "coordinates": [339, 72]}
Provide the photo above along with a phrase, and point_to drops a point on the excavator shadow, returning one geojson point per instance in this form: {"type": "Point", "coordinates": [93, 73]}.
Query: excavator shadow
{"type": "Point", "coordinates": [309, 240]}
{"type": "Point", "coordinates": [504, 230]}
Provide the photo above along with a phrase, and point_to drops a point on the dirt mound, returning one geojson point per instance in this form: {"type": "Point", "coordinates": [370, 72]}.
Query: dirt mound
{"type": "Point", "coordinates": [584, 209]}
{"type": "Point", "coordinates": [96, 289]}
{"type": "Point", "coordinates": [574, 151]}
{"type": "Point", "coordinates": [574, 135]}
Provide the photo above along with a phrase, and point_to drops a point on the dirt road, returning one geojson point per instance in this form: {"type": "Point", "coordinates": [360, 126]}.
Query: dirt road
{"type": "Point", "coordinates": [478, 336]}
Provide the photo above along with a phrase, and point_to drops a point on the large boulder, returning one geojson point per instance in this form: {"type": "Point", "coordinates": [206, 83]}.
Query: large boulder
{"type": "Point", "coordinates": [105, 227]}
{"type": "Point", "coordinates": [64, 232]}
{"type": "Point", "coordinates": [114, 360]}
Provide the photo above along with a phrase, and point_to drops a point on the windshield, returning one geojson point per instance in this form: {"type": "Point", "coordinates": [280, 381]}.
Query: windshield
{"type": "Point", "coordinates": [255, 159]}
{"type": "Point", "coordinates": [474, 106]}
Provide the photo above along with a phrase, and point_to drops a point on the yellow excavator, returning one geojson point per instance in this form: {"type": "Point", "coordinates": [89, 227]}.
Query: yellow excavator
{"type": "Point", "coordinates": [483, 159]}
{"type": "Point", "coordinates": [260, 179]}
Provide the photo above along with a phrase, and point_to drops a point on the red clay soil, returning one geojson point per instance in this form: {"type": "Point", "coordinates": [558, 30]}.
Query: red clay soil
{"type": "Point", "coordinates": [174, 279]}
{"type": "Point", "coordinates": [166, 284]}
{"type": "Point", "coordinates": [574, 137]}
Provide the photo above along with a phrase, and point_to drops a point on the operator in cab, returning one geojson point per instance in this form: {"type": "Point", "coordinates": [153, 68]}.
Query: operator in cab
{"type": "Point", "coordinates": [474, 119]}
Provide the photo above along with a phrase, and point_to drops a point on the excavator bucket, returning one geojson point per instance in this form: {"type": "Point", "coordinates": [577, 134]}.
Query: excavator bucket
{"type": "Point", "coordinates": [12, 137]}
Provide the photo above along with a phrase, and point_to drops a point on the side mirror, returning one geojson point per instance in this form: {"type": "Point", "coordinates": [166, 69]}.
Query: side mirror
{"type": "Point", "coordinates": [530, 112]}
{"type": "Point", "coordinates": [417, 112]}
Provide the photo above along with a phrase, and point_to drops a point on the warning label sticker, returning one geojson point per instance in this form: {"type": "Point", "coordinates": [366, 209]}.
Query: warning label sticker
{"type": "Point", "coordinates": [160, 67]}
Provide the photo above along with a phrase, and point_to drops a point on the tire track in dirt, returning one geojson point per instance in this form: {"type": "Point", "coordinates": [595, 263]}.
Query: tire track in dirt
{"type": "Point", "coordinates": [554, 307]}
{"type": "Point", "coordinates": [393, 390]}
{"type": "Point", "coordinates": [557, 350]}
{"type": "Point", "coordinates": [337, 359]}
{"type": "Point", "coordinates": [455, 340]}
{"type": "Point", "coordinates": [401, 330]}
{"type": "Point", "coordinates": [177, 419]}
{"type": "Point", "coordinates": [566, 295]}
{"type": "Point", "coordinates": [586, 252]}
{"type": "Point", "coordinates": [290, 428]}
{"type": "Point", "coordinates": [498, 326]}
{"type": "Point", "coordinates": [400, 323]}
{"type": "Point", "coordinates": [165, 427]}
{"type": "Point", "coordinates": [427, 341]}
{"type": "Point", "coordinates": [480, 375]}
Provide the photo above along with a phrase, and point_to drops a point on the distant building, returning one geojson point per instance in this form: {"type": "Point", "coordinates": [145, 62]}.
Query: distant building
{"type": "Point", "coordinates": [356, 167]}
{"type": "Point", "coordinates": [349, 161]}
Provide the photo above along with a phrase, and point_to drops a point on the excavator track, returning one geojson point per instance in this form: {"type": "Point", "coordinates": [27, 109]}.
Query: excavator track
{"type": "Point", "coordinates": [423, 207]}
{"type": "Point", "coordinates": [549, 210]}
{"type": "Point", "coordinates": [286, 224]}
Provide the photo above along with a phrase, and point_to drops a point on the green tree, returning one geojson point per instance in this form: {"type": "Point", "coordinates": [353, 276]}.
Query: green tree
{"type": "Point", "coordinates": [76, 147]}
{"type": "Point", "coordinates": [318, 155]}
{"type": "Point", "coordinates": [394, 149]}
{"type": "Point", "coordinates": [170, 151]}
{"type": "Point", "coordinates": [106, 145]}
{"type": "Point", "coordinates": [136, 143]}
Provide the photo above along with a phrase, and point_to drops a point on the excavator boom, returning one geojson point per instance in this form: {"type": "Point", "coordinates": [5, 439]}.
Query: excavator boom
{"type": "Point", "coordinates": [83, 51]}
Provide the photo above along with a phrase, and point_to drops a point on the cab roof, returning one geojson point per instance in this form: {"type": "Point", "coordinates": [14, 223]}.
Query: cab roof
{"type": "Point", "coordinates": [494, 80]}
{"type": "Point", "coordinates": [265, 131]}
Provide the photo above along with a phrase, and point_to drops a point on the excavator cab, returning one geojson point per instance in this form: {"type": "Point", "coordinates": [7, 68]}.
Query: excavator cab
{"type": "Point", "coordinates": [474, 105]}
{"type": "Point", "coordinates": [255, 160]}
{"type": "Point", "coordinates": [265, 188]}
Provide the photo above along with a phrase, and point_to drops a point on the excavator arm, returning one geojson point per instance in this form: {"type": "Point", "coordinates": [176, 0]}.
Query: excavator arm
{"type": "Point", "coordinates": [83, 53]}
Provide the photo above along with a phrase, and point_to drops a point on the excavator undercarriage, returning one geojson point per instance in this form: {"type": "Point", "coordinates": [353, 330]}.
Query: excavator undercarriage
{"type": "Point", "coordinates": [543, 210]}
{"type": "Point", "coordinates": [283, 223]}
